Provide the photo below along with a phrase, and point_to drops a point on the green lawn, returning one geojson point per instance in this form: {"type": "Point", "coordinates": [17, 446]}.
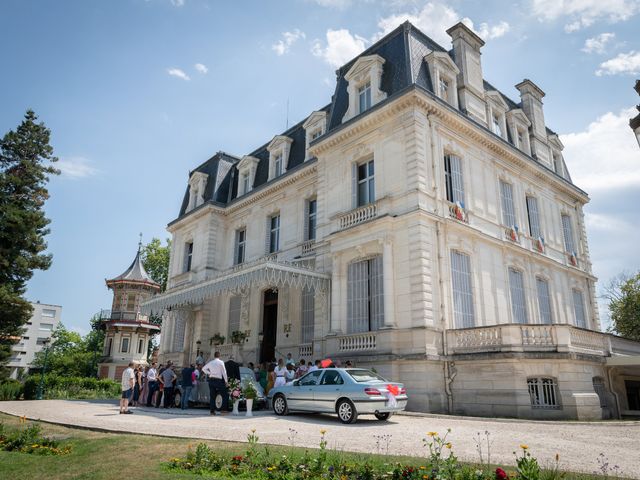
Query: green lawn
{"type": "Point", "coordinates": [102, 456]}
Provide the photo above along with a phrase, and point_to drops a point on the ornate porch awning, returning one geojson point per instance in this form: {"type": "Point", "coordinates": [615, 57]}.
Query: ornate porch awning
{"type": "Point", "coordinates": [266, 272]}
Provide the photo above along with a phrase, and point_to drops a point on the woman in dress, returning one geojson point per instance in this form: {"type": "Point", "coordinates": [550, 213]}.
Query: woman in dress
{"type": "Point", "coordinates": [290, 374]}
{"type": "Point", "coordinates": [281, 374]}
{"type": "Point", "coordinates": [262, 376]}
{"type": "Point", "coordinates": [271, 379]}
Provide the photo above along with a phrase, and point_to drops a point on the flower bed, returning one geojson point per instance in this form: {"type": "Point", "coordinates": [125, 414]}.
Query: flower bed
{"type": "Point", "coordinates": [29, 439]}
{"type": "Point", "coordinates": [440, 463]}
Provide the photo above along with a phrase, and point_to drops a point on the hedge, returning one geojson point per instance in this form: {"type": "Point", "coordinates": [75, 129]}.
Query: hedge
{"type": "Point", "coordinates": [71, 387]}
{"type": "Point", "coordinates": [10, 389]}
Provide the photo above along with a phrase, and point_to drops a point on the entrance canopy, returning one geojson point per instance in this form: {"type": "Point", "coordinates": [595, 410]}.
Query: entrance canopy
{"type": "Point", "coordinates": [266, 272]}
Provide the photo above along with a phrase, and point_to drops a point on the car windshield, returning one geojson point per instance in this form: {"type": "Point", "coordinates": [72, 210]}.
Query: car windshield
{"type": "Point", "coordinates": [364, 376]}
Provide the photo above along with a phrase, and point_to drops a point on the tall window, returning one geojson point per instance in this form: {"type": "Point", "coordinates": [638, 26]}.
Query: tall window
{"type": "Point", "coordinates": [308, 316]}
{"type": "Point", "coordinates": [497, 129]}
{"type": "Point", "coordinates": [544, 301]}
{"type": "Point", "coordinates": [140, 345]}
{"type": "Point", "coordinates": [316, 134]}
{"type": "Point", "coordinates": [534, 217]}
{"type": "Point", "coordinates": [578, 309]}
{"type": "Point", "coordinates": [365, 301]}
{"type": "Point", "coordinates": [234, 315]}
{"type": "Point", "coordinates": [508, 210]}
{"type": "Point", "coordinates": [365, 183]}
{"type": "Point", "coordinates": [463, 311]}
{"type": "Point", "coordinates": [444, 89]}
{"type": "Point", "coordinates": [274, 234]}
{"type": "Point", "coordinates": [124, 345]}
{"type": "Point", "coordinates": [188, 255]}
{"type": "Point", "coordinates": [543, 392]}
{"type": "Point", "coordinates": [48, 313]}
{"type": "Point", "coordinates": [520, 139]}
{"type": "Point", "coordinates": [567, 233]}
{"type": "Point", "coordinates": [312, 207]}
{"type": "Point", "coordinates": [131, 302]}
{"type": "Point", "coordinates": [241, 239]}
{"type": "Point", "coordinates": [244, 182]}
{"type": "Point", "coordinates": [277, 165]}
{"type": "Point", "coordinates": [518, 300]}
{"type": "Point", "coordinates": [453, 179]}
{"type": "Point", "coordinates": [364, 97]}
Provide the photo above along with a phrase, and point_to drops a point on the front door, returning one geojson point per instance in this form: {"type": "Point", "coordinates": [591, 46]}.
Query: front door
{"type": "Point", "coordinates": [269, 326]}
{"type": "Point", "coordinates": [328, 390]}
{"type": "Point", "coordinates": [633, 394]}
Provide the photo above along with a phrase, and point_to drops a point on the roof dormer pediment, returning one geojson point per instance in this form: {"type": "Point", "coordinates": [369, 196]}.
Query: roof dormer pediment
{"type": "Point", "coordinates": [247, 162]}
{"type": "Point", "coordinates": [278, 141]}
{"type": "Point", "coordinates": [314, 118]}
{"type": "Point", "coordinates": [496, 98]}
{"type": "Point", "coordinates": [362, 67]}
{"type": "Point", "coordinates": [519, 115]}
{"type": "Point", "coordinates": [554, 140]}
{"type": "Point", "coordinates": [442, 59]}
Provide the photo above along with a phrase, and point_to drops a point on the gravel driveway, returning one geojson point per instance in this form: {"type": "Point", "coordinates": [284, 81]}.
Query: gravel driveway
{"type": "Point", "coordinates": [577, 443]}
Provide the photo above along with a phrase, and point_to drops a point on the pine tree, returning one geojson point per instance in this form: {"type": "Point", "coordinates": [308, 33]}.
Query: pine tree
{"type": "Point", "coordinates": [25, 166]}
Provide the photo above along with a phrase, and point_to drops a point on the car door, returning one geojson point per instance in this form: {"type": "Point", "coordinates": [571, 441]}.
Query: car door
{"type": "Point", "coordinates": [328, 390]}
{"type": "Point", "coordinates": [301, 393]}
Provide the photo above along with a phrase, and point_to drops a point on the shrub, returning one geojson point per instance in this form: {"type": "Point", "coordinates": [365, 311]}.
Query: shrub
{"type": "Point", "coordinates": [71, 387]}
{"type": "Point", "coordinates": [29, 439]}
{"type": "Point", "coordinates": [10, 390]}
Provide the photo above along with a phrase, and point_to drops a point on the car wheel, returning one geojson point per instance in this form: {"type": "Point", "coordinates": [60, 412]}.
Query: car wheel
{"type": "Point", "coordinates": [346, 411]}
{"type": "Point", "coordinates": [382, 416]}
{"type": "Point", "coordinates": [218, 402]}
{"type": "Point", "coordinates": [280, 405]}
{"type": "Point", "coordinates": [177, 400]}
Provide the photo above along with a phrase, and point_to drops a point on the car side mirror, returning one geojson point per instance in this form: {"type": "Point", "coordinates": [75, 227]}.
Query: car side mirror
{"type": "Point", "coordinates": [296, 383]}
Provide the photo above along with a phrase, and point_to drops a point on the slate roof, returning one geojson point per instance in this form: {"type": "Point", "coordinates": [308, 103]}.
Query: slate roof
{"type": "Point", "coordinates": [135, 273]}
{"type": "Point", "coordinates": [403, 50]}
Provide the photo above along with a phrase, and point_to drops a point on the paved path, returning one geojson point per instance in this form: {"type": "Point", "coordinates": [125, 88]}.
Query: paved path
{"type": "Point", "coordinates": [577, 443]}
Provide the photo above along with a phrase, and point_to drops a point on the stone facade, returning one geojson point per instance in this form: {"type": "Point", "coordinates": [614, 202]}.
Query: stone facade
{"type": "Point", "coordinates": [427, 261]}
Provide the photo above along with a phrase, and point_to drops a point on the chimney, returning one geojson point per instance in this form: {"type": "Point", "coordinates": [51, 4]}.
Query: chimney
{"type": "Point", "coordinates": [531, 98]}
{"type": "Point", "coordinates": [466, 55]}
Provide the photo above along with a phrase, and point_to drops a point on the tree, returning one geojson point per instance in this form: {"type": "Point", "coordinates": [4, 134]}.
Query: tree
{"type": "Point", "coordinates": [623, 293]}
{"type": "Point", "coordinates": [155, 259]}
{"type": "Point", "coordinates": [25, 166]}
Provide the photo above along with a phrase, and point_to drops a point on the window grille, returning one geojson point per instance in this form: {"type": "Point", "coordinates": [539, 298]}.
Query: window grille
{"type": "Point", "coordinates": [274, 234]}
{"type": "Point", "coordinates": [462, 291]}
{"type": "Point", "coordinates": [543, 393]}
{"type": "Point", "coordinates": [578, 308]}
{"type": "Point", "coordinates": [178, 333]}
{"type": "Point", "coordinates": [534, 217]}
{"type": "Point", "coordinates": [365, 300]}
{"type": "Point", "coordinates": [518, 300]}
{"type": "Point", "coordinates": [599, 388]}
{"type": "Point", "coordinates": [308, 315]}
{"type": "Point", "coordinates": [234, 314]}
{"type": "Point", "coordinates": [365, 183]}
{"type": "Point", "coordinates": [508, 210]}
{"type": "Point", "coordinates": [240, 244]}
{"type": "Point", "coordinates": [453, 179]}
{"type": "Point", "coordinates": [567, 233]}
{"type": "Point", "coordinates": [364, 97]}
{"type": "Point", "coordinates": [544, 301]}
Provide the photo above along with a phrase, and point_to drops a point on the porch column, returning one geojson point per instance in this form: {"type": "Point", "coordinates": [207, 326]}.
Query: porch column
{"type": "Point", "coordinates": [388, 284]}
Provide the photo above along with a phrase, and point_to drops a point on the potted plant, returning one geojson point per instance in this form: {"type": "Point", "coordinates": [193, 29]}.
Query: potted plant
{"type": "Point", "coordinates": [235, 393]}
{"type": "Point", "coordinates": [249, 392]}
{"type": "Point", "coordinates": [238, 337]}
{"type": "Point", "coordinates": [217, 339]}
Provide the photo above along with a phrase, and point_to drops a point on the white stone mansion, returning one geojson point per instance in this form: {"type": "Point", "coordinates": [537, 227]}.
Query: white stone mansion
{"type": "Point", "coordinates": [423, 224]}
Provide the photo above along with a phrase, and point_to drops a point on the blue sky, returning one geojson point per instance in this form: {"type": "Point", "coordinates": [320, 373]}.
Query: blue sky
{"type": "Point", "coordinates": [138, 92]}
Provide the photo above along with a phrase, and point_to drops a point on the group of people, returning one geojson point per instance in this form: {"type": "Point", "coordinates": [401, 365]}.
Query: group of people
{"type": "Point", "coordinates": [153, 386]}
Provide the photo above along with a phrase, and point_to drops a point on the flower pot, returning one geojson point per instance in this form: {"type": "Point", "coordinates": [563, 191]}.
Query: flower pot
{"type": "Point", "coordinates": [235, 408]}
{"type": "Point", "coordinates": [249, 407]}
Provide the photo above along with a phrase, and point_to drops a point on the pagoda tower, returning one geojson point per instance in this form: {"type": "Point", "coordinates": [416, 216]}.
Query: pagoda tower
{"type": "Point", "coordinates": [127, 331]}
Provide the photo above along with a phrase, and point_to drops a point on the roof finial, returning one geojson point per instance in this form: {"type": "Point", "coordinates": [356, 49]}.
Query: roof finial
{"type": "Point", "coordinates": [140, 243]}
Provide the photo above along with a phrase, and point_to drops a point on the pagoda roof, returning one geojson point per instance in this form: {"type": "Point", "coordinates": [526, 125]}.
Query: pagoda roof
{"type": "Point", "coordinates": [134, 274]}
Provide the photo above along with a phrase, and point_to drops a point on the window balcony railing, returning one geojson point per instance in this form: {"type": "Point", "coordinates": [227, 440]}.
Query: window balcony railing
{"type": "Point", "coordinates": [122, 316]}
{"type": "Point", "coordinates": [308, 248]}
{"type": "Point", "coordinates": [357, 342]}
{"type": "Point", "coordinates": [305, 350]}
{"type": "Point", "coordinates": [358, 215]}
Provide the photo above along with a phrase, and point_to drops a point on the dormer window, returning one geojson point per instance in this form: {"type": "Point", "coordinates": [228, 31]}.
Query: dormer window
{"type": "Point", "coordinates": [278, 149]}
{"type": "Point", "coordinates": [364, 96]}
{"type": "Point", "coordinates": [496, 108]}
{"type": "Point", "coordinates": [247, 172]}
{"type": "Point", "coordinates": [497, 128]}
{"type": "Point", "coordinates": [316, 134]}
{"type": "Point", "coordinates": [444, 89]}
{"type": "Point", "coordinates": [518, 125]}
{"type": "Point", "coordinates": [364, 79]}
{"type": "Point", "coordinates": [314, 127]}
{"type": "Point", "coordinates": [443, 73]}
{"type": "Point", "coordinates": [520, 139]}
{"type": "Point", "coordinates": [197, 184]}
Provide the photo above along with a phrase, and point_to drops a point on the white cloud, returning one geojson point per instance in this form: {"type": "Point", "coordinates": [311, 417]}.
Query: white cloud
{"type": "Point", "coordinates": [605, 156]}
{"type": "Point", "coordinates": [177, 3]}
{"type": "Point", "coordinates": [598, 43]}
{"type": "Point", "coordinates": [489, 32]}
{"type": "Point", "coordinates": [341, 47]}
{"type": "Point", "coordinates": [201, 68]}
{"type": "Point", "coordinates": [623, 64]}
{"type": "Point", "coordinates": [584, 13]}
{"type": "Point", "coordinates": [288, 39]}
{"type": "Point", "coordinates": [176, 72]}
{"type": "Point", "coordinates": [76, 167]}
{"type": "Point", "coordinates": [606, 222]}
{"type": "Point", "coordinates": [339, 4]}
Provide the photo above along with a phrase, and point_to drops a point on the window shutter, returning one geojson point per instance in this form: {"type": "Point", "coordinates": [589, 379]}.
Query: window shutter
{"type": "Point", "coordinates": [354, 185]}
{"type": "Point", "coordinates": [457, 185]}
{"type": "Point", "coordinates": [518, 300]}
{"type": "Point", "coordinates": [462, 290]}
{"type": "Point", "coordinates": [506, 195]}
{"type": "Point", "coordinates": [544, 301]}
{"type": "Point", "coordinates": [578, 307]}
{"type": "Point", "coordinates": [534, 218]}
{"type": "Point", "coordinates": [567, 232]}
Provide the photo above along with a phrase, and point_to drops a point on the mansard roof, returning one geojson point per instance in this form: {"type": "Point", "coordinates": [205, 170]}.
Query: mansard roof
{"type": "Point", "coordinates": [134, 274]}
{"type": "Point", "coordinates": [403, 51]}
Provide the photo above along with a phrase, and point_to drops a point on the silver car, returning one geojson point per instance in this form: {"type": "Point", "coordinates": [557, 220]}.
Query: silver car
{"type": "Point", "coordinates": [349, 392]}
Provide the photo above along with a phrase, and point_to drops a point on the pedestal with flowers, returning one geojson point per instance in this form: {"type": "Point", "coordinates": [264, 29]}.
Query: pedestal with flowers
{"type": "Point", "coordinates": [249, 392]}
{"type": "Point", "coordinates": [235, 393]}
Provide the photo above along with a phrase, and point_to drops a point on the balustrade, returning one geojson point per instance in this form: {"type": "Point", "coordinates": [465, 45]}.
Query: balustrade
{"type": "Point", "coordinates": [359, 215]}
{"type": "Point", "coordinates": [358, 342]}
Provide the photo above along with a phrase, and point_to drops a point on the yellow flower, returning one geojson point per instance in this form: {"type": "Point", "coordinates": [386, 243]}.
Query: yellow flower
{"type": "Point", "coordinates": [253, 430]}
{"type": "Point", "coordinates": [323, 431]}
{"type": "Point", "coordinates": [448, 445]}
{"type": "Point", "coordinates": [432, 434]}
{"type": "Point", "coordinates": [524, 447]}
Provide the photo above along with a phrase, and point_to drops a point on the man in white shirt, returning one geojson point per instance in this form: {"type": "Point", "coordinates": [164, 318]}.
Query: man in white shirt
{"type": "Point", "coordinates": [217, 375]}
{"type": "Point", "coordinates": [128, 380]}
{"type": "Point", "coordinates": [152, 383]}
